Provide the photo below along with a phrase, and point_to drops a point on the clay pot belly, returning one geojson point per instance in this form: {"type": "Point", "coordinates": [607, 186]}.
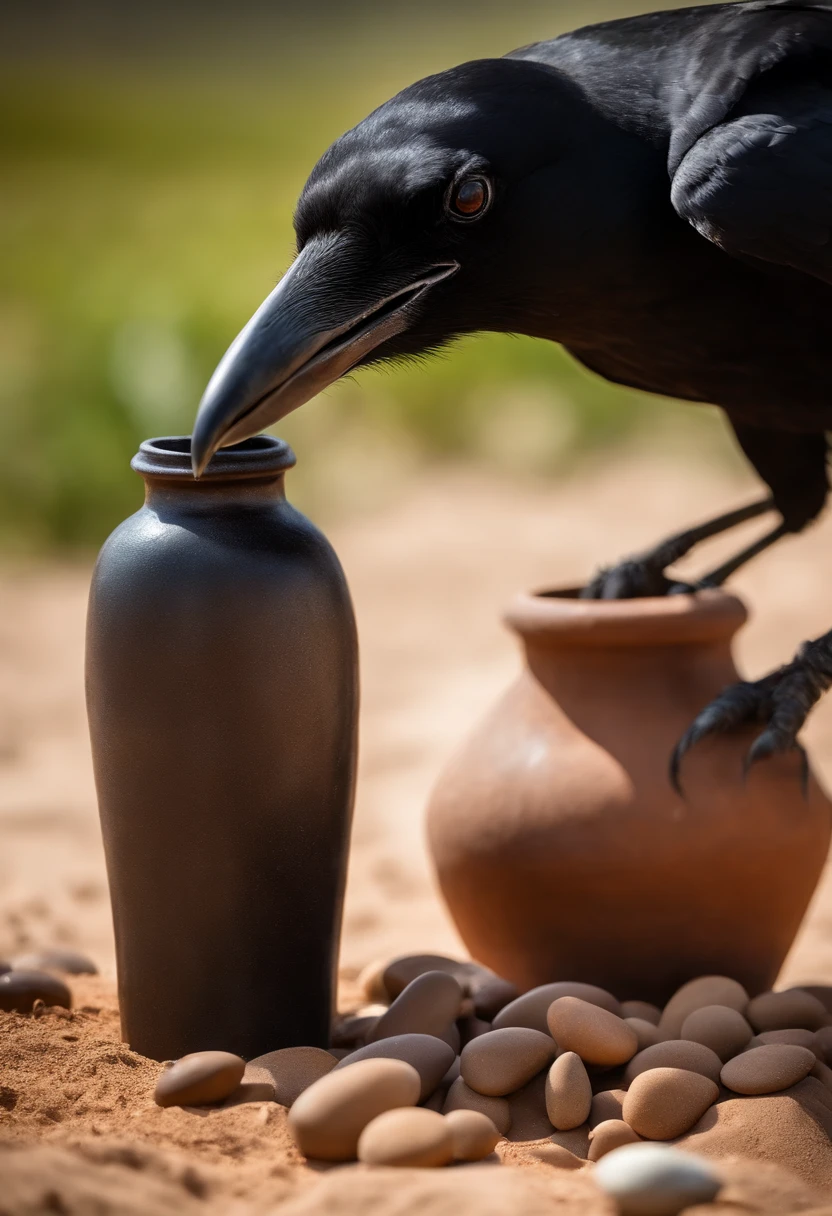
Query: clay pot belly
{"type": "Point", "coordinates": [560, 846]}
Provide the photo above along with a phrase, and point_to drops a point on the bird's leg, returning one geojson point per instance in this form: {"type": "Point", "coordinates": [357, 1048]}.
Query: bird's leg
{"type": "Point", "coordinates": [644, 575]}
{"type": "Point", "coordinates": [780, 703]}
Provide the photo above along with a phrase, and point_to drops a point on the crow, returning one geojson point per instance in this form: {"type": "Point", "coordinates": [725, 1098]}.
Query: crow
{"type": "Point", "coordinates": [655, 194]}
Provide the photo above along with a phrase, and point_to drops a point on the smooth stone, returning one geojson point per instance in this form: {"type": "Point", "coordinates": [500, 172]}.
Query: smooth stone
{"type": "Point", "coordinates": [606, 1105]}
{"type": "Point", "coordinates": [568, 1092]}
{"type": "Point", "coordinates": [473, 1134]}
{"type": "Point", "coordinates": [792, 1010]}
{"type": "Point", "coordinates": [352, 1031]}
{"type": "Point", "coordinates": [821, 1072]}
{"type": "Point", "coordinates": [488, 992]}
{"type": "Point", "coordinates": [250, 1091]}
{"type": "Point", "coordinates": [198, 1079]}
{"type": "Point", "coordinates": [666, 1102]}
{"type": "Point", "coordinates": [428, 1005]}
{"type": "Point", "coordinates": [371, 982]}
{"type": "Point", "coordinates": [609, 1135]}
{"type": "Point", "coordinates": [20, 989]}
{"type": "Point", "coordinates": [70, 962]}
{"type": "Point", "coordinates": [824, 1042]}
{"type": "Point", "coordinates": [655, 1180]}
{"type": "Point", "coordinates": [675, 1053]}
{"type": "Point", "coordinates": [768, 1069]}
{"type": "Point", "coordinates": [471, 1028]}
{"type": "Point", "coordinates": [706, 990]}
{"type": "Point", "coordinates": [452, 1037]}
{"type": "Point", "coordinates": [329, 1117]}
{"type": "Point", "coordinates": [503, 1061]}
{"type": "Point", "coordinates": [595, 1034]}
{"type": "Point", "coordinates": [260, 1077]}
{"type": "Point", "coordinates": [647, 1033]}
{"type": "Point", "coordinates": [427, 1054]}
{"type": "Point", "coordinates": [529, 1120]}
{"type": "Point", "coordinates": [531, 1008]}
{"type": "Point", "coordinates": [793, 1038]}
{"type": "Point", "coordinates": [409, 1137]}
{"type": "Point", "coordinates": [556, 1155]}
{"type": "Point", "coordinates": [724, 1030]}
{"type": "Point", "coordinates": [294, 1069]}
{"type": "Point", "coordinates": [641, 1009]}
{"type": "Point", "coordinates": [462, 1097]}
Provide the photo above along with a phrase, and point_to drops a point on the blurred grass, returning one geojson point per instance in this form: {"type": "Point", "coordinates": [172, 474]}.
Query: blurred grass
{"type": "Point", "coordinates": [144, 213]}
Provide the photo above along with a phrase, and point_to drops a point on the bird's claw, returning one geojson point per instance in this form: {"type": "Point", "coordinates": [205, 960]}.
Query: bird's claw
{"type": "Point", "coordinates": [635, 578]}
{"type": "Point", "coordinates": [780, 702]}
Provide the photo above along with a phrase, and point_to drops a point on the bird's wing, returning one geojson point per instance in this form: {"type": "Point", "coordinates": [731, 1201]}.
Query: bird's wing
{"type": "Point", "coordinates": [759, 185]}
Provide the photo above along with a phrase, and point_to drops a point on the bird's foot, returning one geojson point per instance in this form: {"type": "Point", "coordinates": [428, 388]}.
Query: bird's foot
{"type": "Point", "coordinates": [636, 578]}
{"type": "Point", "coordinates": [780, 703]}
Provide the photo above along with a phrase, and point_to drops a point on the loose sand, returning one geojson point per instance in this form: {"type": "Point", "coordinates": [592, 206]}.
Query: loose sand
{"type": "Point", "coordinates": [79, 1132]}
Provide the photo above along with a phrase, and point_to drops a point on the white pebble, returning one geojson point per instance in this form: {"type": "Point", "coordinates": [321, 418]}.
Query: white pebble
{"type": "Point", "coordinates": [655, 1180]}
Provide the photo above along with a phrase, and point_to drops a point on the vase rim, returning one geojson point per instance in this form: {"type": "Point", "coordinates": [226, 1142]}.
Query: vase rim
{"type": "Point", "coordinates": [169, 456]}
{"type": "Point", "coordinates": [558, 618]}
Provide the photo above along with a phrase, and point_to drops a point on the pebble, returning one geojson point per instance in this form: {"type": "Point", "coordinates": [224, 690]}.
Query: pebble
{"type": "Point", "coordinates": [428, 1055]}
{"type": "Point", "coordinates": [531, 1008]}
{"type": "Point", "coordinates": [527, 1106]}
{"type": "Point", "coordinates": [655, 1180]}
{"type": "Point", "coordinates": [462, 1097]}
{"type": "Point", "coordinates": [609, 1135]}
{"type": "Point", "coordinates": [823, 1074]}
{"type": "Point", "coordinates": [568, 1092]}
{"type": "Point", "coordinates": [294, 1069]}
{"type": "Point", "coordinates": [200, 1078]}
{"type": "Point", "coordinates": [490, 993]}
{"type": "Point", "coordinates": [371, 982]}
{"type": "Point", "coordinates": [724, 1030]}
{"type": "Point", "coordinates": [675, 1053]}
{"type": "Point", "coordinates": [20, 989]}
{"type": "Point", "coordinates": [641, 1009]}
{"type": "Point", "coordinates": [328, 1118]}
{"type": "Point", "coordinates": [787, 1011]}
{"type": "Point", "coordinates": [68, 961]}
{"type": "Point", "coordinates": [556, 1155]}
{"type": "Point", "coordinates": [400, 972]}
{"type": "Point", "coordinates": [411, 1136]}
{"type": "Point", "coordinates": [428, 1005]}
{"type": "Point", "coordinates": [647, 1033]}
{"type": "Point", "coordinates": [473, 1133]}
{"type": "Point", "coordinates": [606, 1105]}
{"type": "Point", "coordinates": [502, 1061]}
{"type": "Point", "coordinates": [666, 1102]}
{"type": "Point", "coordinates": [706, 990]}
{"type": "Point", "coordinates": [598, 1036]}
{"type": "Point", "coordinates": [767, 1069]}
{"type": "Point", "coordinates": [824, 1042]}
{"type": "Point", "coordinates": [794, 1038]}
{"type": "Point", "coordinates": [472, 1028]}
{"type": "Point", "coordinates": [352, 1031]}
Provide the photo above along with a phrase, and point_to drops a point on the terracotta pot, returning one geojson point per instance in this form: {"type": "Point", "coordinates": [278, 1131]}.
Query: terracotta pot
{"type": "Point", "coordinates": [563, 851]}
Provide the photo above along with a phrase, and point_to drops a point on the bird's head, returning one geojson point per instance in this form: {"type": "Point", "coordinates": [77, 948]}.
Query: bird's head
{"type": "Point", "coordinates": [426, 221]}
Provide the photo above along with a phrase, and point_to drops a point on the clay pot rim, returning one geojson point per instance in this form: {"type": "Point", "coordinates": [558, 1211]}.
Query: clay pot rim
{"type": "Point", "coordinates": [169, 457]}
{"type": "Point", "coordinates": [556, 618]}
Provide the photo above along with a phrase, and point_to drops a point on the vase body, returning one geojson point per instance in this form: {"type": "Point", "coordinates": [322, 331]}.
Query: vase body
{"type": "Point", "coordinates": [560, 846]}
{"type": "Point", "coordinates": [222, 701]}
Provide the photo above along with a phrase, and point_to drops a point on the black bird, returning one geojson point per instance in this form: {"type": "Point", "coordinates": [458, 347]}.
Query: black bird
{"type": "Point", "coordinates": [654, 193]}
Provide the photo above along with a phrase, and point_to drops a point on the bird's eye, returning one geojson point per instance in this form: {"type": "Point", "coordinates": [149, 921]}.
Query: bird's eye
{"type": "Point", "coordinates": [470, 198]}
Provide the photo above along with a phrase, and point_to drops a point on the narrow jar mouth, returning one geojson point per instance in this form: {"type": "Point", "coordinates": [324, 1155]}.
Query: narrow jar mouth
{"type": "Point", "coordinates": [170, 457]}
{"type": "Point", "coordinates": [557, 618]}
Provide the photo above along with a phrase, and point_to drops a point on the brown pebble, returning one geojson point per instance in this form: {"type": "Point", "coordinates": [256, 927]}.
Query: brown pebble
{"type": "Point", "coordinates": [641, 1009]}
{"type": "Point", "coordinates": [254, 1075]}
{"type": "Point", "coordinates": [502, 1061]}
{"type": "Point", "coordinates": [428, 1055]}
{"type": "Point", "coordinates": [568, 1092]}
{"type": "Point", "coordinates": [529, 1120]}
{"type": "Point", "coordinates": [794, 1038]}
{"type": "Point", "coordinates": [823, 1074]}
{"type": "Point", "coordinates": [706, 990]}
{"type": "Point", "coordinates": [70, 962]}
{"type": "Point", "coordinates": [294, 1069]}
{"type": "Point", "coordinates": [249, 1091]}
{"type": "Point", "coordinates": [199, 1079]}
{"type": "Point", "coordinates": [371, 982]}
{"type": "Point", "coordinates": [403, 970]}
{"type": "Point", "coordinates": [595, 1034]}
{"type": "Point", "coordinates": [790, 1010]}
{"type": "Point", "coordinates": [531, 1008]}
{"type": "Point", "coordinates": [473, 1133]}
{"type": "Point", "coordinates": [675, 1053]}
{"type": "Point", "coordinates": [19, 990]}
{"type": "Point", "coordinates": [490, 993]}
{"type": "Point", "coordinates": [646, 1032]}
{"type": "Point", "coordinates": [612, 1133]}
{"type": "Point", "coordinates": [410, 1137]}
{"type": "Point", "coordinates": [767, 1069]}
{"type": "Point", "coordinates": [606, 1105]}
{"type": "Point", "coordinates": [452, 1037]}
{"type": "Point", "coordinates": [666, 1102]}
{"type": "Point", "coordinates": [824, 1042]}
{"type": "Point", "coordinates": [352, 1031]}
{"type": "Point", "coordinates": [556, 1155]}
{"type": "Point", "coordinates": [462, 1097]}
{"type": "Point", "coordinates": [328, 1118]}
{"type": "Point", "coordinates": [428, 1005]}
{"type": "Point", "coordinates": [472, 1028]}
{"type": "Point", "coordinates": [724, 1030]}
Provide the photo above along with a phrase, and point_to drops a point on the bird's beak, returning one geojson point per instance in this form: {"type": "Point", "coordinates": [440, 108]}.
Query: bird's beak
{"type": "Point", "coordinates": [321, 319]}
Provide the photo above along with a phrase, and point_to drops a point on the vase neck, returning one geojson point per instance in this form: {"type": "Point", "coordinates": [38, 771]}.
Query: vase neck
{"type": "Point", "coordinates": [249, 474]}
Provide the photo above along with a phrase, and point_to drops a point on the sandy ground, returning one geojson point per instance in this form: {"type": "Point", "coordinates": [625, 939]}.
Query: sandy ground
{"type": "Point", "coordinates": [429, 575]}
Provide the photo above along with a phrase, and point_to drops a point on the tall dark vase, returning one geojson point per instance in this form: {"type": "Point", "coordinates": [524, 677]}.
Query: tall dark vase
{"type": "Point", "coordinates": [222, 696]}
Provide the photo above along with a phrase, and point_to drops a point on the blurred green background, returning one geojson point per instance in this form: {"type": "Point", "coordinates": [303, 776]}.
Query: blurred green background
{"type": "Point", "coordinates": [151, 157]}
